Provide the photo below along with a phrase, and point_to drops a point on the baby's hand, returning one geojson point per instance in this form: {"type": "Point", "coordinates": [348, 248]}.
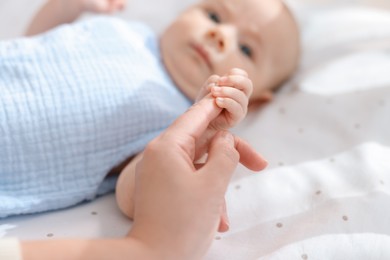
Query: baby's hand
{"type": "Point", "coordinates": [102, 6]}
{"type": "Point", "coordinates": [231, 93]}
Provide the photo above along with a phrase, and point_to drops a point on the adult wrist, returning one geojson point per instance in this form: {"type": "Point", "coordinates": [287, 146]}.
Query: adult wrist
{"type": "Point", "coordinates": [151, 249]}
{"type": "Point", "coordinates": [141, 250]}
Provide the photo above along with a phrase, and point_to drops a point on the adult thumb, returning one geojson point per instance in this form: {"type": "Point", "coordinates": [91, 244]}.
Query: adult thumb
{"type": "Point", "coordinates": [222, 160]}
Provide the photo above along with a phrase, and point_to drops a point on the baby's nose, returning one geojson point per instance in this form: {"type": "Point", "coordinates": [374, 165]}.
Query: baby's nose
{"type": "Point", "coordinates": [223, 37]}
{"type": "Point", "coordinates": [218, 39]}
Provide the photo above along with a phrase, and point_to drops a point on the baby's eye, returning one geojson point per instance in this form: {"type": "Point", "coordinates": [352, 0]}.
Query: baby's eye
{"type": "Point", "coordinates": [246, 50]}
{"type": "Point", "coordinates": [214, 16]}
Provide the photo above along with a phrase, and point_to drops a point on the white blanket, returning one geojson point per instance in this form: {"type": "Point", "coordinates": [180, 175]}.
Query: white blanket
{"type": "Point", "coordinates": [326, 193]}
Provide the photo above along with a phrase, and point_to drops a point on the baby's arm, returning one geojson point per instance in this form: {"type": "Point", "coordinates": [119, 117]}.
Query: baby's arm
{"type": "Point", "coordinates": [57, 12]}
{"type": "Point", "coordinates": [125, 187]}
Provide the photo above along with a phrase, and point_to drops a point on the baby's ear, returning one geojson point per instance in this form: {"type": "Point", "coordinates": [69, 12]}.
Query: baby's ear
{"type": "Point", "coordinates": [265, 97]}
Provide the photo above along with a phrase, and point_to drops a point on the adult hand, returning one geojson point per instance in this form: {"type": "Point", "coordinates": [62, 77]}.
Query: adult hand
{"type": "Point", "coordinates": [177, 206]}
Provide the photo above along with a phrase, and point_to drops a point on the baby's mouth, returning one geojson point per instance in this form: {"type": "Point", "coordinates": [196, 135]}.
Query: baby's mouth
{"type": "Point", "coordinates": [202, 52]}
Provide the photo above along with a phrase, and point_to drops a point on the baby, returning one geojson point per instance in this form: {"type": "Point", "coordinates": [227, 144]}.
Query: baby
{"type": "Point", "coordinates": [81, 98]}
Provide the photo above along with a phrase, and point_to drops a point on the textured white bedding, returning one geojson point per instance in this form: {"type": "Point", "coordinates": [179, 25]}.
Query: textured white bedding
{"type": "Point", "coordinates": [326, 193]}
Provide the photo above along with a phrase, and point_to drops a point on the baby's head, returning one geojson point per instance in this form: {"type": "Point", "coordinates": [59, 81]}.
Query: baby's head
{"type": "Point", "coordinates": [259, 36]}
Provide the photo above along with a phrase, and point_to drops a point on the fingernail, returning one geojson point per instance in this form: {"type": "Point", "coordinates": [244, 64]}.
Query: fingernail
{"type": "Point", "coordinates": [227, 226]}
{"type": "Point", "coordinates": [227, 222]}
{"type": "Point", "coordinates": [219, 101]}
{"type": "Point", "coordinates": [216, 89]}
{"type": "Point", "coordinates": [210, 86]}
{"type": "Point", "coordinates": [223, 79]}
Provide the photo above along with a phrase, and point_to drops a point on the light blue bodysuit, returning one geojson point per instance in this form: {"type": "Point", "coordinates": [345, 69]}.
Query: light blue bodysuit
{"type": "Point", "coordinates": [74, 102]}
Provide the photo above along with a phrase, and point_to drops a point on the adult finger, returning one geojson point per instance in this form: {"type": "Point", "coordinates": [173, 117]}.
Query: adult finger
{"type": "Point", "coordinates": [248, 156]}
{"type": "Point", "coordinates": [221, 162]}
{"type": "Point", "coordinates": [211, 81]}
{"type": "Point", "coordinates": [195, 120]}
{"type": "Point", "coordinates": [224, 221]}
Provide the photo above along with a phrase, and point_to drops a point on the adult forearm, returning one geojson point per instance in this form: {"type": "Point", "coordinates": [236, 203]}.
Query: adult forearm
{"type": "Point", "coordinates": [52, 14]}
{"type": "Point", "coordinates": [125, 248]}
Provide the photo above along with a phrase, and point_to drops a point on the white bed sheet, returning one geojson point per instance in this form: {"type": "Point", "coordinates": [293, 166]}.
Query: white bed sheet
{"type": "Point", "coordinates": [326, 192]}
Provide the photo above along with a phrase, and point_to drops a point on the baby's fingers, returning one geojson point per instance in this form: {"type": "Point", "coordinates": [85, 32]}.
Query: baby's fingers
{"type": "Point", "coordinates": [232, 93]}
{"type": "Point", "coordinates": [236, 112]}
{"type": "Point", "coordinates": [238, 71]}
{"type": "Point", "coordinates": [239, 82]}
{"type": "Point", "coordinates": [211, 81]}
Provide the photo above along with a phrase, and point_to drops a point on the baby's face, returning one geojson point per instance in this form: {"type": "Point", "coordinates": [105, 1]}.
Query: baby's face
{"type": "Point", "coordinates": [214, 36]}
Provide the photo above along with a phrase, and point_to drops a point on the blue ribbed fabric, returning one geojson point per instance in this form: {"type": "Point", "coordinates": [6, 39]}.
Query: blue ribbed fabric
{"type": "Point", "coordinates": [74, 102]}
